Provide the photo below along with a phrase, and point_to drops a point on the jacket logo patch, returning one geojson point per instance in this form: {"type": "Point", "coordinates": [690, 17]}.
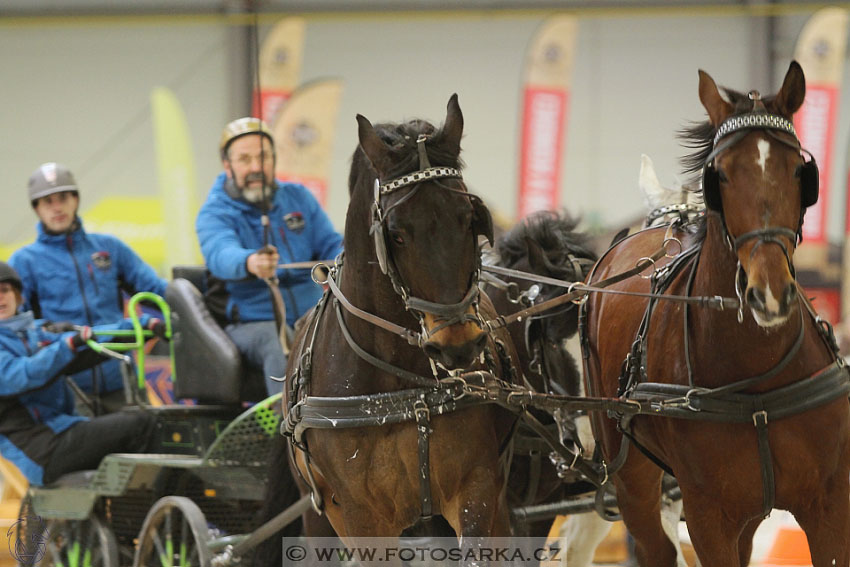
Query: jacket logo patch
{"type": "Point", "coordinates": [101, 260]}
{"type": "Point", "coordinates": [294, 222]}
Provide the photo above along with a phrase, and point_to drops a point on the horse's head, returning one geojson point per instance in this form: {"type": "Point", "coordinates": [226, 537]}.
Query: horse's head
{"type": "Point", "coordinates": [425, 227]}
{"type": "Point", "coordinates": [757, 179]}
{"type": "Point", "coordinates": [547, 244]}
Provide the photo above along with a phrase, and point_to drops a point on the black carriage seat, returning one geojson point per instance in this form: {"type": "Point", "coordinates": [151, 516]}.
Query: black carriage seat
{"type": "Point", "coordinates": [208, 366]}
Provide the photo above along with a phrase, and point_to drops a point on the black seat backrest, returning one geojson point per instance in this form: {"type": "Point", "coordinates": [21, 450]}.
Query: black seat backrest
{"type": "Point", "coordinates": [213, 289]}
{"type": "Point", "coordinates": [208, 366]}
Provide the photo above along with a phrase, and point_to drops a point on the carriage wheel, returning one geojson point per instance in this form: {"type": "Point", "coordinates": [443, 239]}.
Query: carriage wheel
{"type": "Point", "coordinates": [86, 543]}
{"type": "Point", "coordinates": [174, 535]}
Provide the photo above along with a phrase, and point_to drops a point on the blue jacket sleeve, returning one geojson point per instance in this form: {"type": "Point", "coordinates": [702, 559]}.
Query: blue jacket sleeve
{"type": "Point", "coordinates": [223, 251]}
{"type": "Point", "coordinates": [19, 373]}
{"type": "Point", "coordinates": [136, 272]}
{"type": "Point", "coordinates": [327, 242]}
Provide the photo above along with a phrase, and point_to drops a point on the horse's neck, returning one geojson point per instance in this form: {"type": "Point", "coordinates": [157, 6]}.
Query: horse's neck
{"type": "Point", "coordinates": [720, 345]}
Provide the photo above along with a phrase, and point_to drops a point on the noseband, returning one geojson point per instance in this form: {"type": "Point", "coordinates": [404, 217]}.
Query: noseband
{"type": "Point", "coordinates": [446, 314]}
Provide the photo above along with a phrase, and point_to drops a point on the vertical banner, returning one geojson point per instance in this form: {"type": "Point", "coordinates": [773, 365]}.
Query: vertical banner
{"type": "Point", "coordinates": [177, 184]}
{"type": "Point", "coordinates": [304, 133]}
{"type": "Point", "coordinates": [820, 51]}
{"type": "Point", "coordinates": [546, 92]}
{"type": "Point", "coordinates": [280, 66]}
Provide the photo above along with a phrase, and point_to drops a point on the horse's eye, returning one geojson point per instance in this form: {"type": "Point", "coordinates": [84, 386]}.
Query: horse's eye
{"type": "Point", "coordinates": [722, 176]}
{"type": "Point", "coordinates": [397, 237]}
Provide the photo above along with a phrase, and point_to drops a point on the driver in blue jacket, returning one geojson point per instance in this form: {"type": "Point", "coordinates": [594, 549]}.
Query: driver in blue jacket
{"type": "Point", "coordinates": [40, 432]}
{"type": "Point", "coordinates": [237, 249]}
{"type": "Point", "coordinates": [72, 275]}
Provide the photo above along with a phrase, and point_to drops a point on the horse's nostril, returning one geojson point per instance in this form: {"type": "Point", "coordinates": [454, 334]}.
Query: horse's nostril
{"type": "Point", "coordinates": [755, 297]}
{"type": "Point", "coordinates": [432, 351]}
{"type": "Point", "coordinates": [789, 296]}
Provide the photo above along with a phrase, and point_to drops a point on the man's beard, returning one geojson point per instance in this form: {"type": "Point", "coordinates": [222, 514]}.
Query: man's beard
{"type": "Point", "coordinates": [256, 195]}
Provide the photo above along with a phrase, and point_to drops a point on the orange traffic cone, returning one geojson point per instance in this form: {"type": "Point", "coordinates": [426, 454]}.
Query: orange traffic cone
{"type": "Point", "coordinates": [790, 547]}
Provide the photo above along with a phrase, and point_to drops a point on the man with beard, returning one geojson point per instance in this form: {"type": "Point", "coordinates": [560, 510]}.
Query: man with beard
{"type": "Point", "coordinates": [239, 249]}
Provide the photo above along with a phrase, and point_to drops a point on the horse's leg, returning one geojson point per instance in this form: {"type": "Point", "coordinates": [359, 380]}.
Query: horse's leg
{"type": "Point", "coordinates": [714, 533]}
{"type": "Point", "coordinates": [478, 509]}
{"type": "Point", "coordinates": [639, 499]}
{"type": "Point", "coordinates": [671, 512]}
{"type": "Point", "coordinates": [745, 541]}
{"type": "Point", "coordinates": [580, 535]}
{"type": "Point", "coordinates": [826, 522]}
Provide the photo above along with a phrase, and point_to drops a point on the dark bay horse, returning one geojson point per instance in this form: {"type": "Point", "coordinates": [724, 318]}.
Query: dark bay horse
{"type": "Point", "coordinates": [753, 404]}
{"type": "Point", "coordinates": [404, 314]}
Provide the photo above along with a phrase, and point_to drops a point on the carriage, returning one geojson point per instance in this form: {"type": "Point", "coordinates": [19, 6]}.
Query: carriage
{"type": "Point", "coordinates": [422, 271]}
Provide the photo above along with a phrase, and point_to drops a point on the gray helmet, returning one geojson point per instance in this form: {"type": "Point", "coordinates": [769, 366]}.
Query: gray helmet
{"type": "Point", "coordinates": [50, 178]}
{"type": "Point", "coordinates": [8, 274]}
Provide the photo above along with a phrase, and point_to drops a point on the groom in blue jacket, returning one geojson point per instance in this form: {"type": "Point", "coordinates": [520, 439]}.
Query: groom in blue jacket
{"type": "Point", "coordinates": [238, 248]}
{"type": "Point", "coordinates": [71, 275]}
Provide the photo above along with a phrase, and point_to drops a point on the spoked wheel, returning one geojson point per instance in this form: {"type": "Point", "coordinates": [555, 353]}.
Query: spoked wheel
{"type": "Point", "coordinates": [79, 543]}
{"type": "Point", "coordinates": [174, 534]}
{"type": "Point", "coordinates": [82, 543]}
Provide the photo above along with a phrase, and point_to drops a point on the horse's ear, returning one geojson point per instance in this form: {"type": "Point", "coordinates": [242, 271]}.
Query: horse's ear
{"type": "Point", "coordinates": [373, 146]}
{"type": "Point", "coordinates": [790, 97]}
{"type": "Point", "coordinates": [717, 108]}
{"type": "Point", "coordinates": [453, 129]}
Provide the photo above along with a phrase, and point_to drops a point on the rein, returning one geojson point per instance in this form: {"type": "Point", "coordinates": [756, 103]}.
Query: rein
{"type": "Point", "coordinates": [578, 290]}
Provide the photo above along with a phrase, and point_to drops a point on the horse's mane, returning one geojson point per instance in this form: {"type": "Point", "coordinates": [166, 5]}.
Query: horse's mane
{"type": "Point", "coordinates": [554, 231]}
{"type": "Point", "coordinates": [401, 138]}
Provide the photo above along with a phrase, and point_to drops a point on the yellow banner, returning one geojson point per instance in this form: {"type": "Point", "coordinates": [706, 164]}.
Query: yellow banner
{"type": "Point", "coordinates": [304, 133]}
{"type": "Point", "coordinates": [137, 221]}
{"type": "Point", "coordinates": [280, 66]}
{"type": "Point", "coordinates": [177, 184]}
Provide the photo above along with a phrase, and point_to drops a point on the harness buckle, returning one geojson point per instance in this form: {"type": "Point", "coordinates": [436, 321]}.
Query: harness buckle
{"type": "Point", "coordinates": [421, 411]}
{"type": "Point", "coordinates": [762, 414]}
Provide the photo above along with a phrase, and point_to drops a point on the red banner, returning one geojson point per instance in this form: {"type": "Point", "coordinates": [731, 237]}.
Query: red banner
{"type": "Point", "coordinates": [815, 124]}
{"type": "Point", "coordinates": [272, 101]}
{"type": "Point", "coordinates": [542, 146]}
{"type": "Point", "coordinates": [317, 186]}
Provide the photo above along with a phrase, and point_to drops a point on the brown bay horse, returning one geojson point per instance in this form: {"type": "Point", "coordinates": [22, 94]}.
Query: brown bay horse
{"type": "Point", "coordinates": [412, 264]}
{"type": "Point", "coordinates": [752, 403]}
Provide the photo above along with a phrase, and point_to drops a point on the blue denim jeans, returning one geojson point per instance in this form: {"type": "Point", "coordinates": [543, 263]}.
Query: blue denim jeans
{"type": "Point", "coordinates": [259, 344]}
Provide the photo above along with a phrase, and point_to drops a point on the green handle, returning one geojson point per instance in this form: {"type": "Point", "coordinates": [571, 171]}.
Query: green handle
{"type": "Point", "coordinates": [138, 333]}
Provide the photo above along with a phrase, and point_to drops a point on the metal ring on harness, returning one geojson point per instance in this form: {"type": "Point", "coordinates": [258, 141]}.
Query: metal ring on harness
{"type": "Point", "coordinates": [320, 268]}
{"type": "Point", "coordinates": [671, 239]}
{"type": "Point", "coordinates": [651, 262]}
{"type": "Point", "coordinates": [577, 300]}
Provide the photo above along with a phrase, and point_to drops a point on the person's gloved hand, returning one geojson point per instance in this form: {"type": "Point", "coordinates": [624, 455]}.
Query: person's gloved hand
{"type": "Point", "coordinates": [59, 326]}
{"type": "Point", "coordinates": [157, 326]}
{"type": "Point", "coordinates": [79, 339]}
{"type": "Point", "coordinates": [263, 262]}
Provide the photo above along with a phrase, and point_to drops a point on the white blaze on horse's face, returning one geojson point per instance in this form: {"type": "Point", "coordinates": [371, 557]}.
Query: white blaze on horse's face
{"type": "Point", "coordinates": [764, 153]}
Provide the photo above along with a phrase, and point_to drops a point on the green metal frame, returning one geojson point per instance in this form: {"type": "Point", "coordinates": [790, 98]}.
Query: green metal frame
{"type": "Point", "coordinates": [139, 334]}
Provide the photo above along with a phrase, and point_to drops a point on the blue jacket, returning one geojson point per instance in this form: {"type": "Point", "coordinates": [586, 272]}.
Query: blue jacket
{"type": "Point", "coordinates": [230, 230]}
{"type": "Point", "coordinates": [78, 277]}
{"type": "Point", "coordinates": [29, 358]}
